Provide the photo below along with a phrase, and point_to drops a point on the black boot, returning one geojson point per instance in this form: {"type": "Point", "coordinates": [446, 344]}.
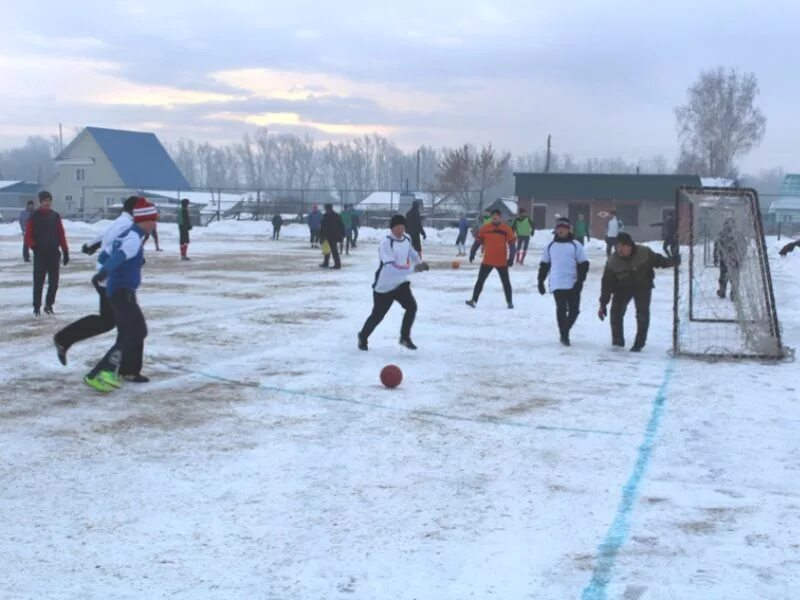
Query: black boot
{"type": "Point", "coordinates": [362, 342]}
{"type": "Point", "coordinates": [61, 351]}
{"type": "Point", "coordinates": [406, 341]}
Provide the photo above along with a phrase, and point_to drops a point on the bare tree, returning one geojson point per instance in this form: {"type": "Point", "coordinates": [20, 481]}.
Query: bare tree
{"type": "Point", "coordinates": [455, 173]}
{"type": "Point", "coordinates": [720, 121]}
{"type": "Point", "coordinates": [487, 170]}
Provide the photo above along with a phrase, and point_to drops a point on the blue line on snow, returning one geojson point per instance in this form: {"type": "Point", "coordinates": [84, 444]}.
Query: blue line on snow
{"type": "Point", "coordinates": [618, 532]}
{"type": "Point", "coordinates": [411, 411]}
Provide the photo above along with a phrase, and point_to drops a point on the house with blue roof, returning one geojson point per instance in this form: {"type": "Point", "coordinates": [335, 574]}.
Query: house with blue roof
{"type": "Point", "coordinates": [101, 167]}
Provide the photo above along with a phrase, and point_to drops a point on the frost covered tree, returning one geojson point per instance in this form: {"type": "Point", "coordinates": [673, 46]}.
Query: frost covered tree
{"type": "Point", "coordinates": [719, 122]}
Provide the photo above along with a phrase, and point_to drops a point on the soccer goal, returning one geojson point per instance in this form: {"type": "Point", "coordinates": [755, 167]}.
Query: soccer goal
{"type": "Point", "coordinates": [724, 303]}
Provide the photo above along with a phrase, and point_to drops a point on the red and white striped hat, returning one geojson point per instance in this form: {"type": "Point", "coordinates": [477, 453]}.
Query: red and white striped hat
{"type": "Point", "coordinates": [144, 211]}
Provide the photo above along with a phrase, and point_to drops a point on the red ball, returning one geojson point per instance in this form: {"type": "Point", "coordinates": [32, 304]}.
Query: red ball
{"type": "Point", "coordinates": [391, 376]}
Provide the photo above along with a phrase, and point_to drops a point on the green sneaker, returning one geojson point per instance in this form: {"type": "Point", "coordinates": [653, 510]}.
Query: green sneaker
{"type": "Point", "coordinates": [98, 384]}
{"type": "Point", "coordinates": [110, 378]}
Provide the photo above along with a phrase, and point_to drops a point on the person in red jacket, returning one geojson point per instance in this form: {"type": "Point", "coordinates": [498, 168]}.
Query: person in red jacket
{"type": "Point", "coordinates": [44, 234]}
{"type": "Point", "coordinates": [498, 241]}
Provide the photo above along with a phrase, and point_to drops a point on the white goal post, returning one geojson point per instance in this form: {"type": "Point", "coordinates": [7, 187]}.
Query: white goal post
{"type": "Point", "coordinates": [724, 302]}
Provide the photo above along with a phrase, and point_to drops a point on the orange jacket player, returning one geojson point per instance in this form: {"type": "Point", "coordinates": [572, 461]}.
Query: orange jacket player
{"type": "Point", "coordinates": [498, 240]}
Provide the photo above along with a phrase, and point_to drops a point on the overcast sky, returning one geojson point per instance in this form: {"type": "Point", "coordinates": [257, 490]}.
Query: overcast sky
{"type": "Point", "coordinates": [602, 77]}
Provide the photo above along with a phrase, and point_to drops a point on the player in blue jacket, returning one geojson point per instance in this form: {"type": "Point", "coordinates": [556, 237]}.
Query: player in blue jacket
{"type": "Point", "coordinates": [122, 271]}
{"type": "Point", "coordinates": [564, 260]}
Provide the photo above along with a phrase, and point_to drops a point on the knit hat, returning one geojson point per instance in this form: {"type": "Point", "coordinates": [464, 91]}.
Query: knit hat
{"type": "Point", "coordinates": [563, 222]}
{"type": "Point", "coordinates": [397, 220]}
{"type": "Point", "coordinates": [625, 238]}
{"type": "Point", "coordinates": [144, 211]}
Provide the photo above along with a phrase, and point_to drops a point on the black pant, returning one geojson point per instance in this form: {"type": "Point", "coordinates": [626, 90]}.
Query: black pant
{"type": "Point", "coordinates": [314, 237]}
{"type": "Point", "coordinates": [276, 233]}
{"type": "Point", "coordinates": [26, 253]}
{"type": "Point", "coordinates": [416, 242]}
{"type": "Point", "coordinates": [355, 237]}
{"type": "Point", "coordinates": [337, 261]}
{"type": "Point", "coordinates": [348, 240]}
{"type": "Point", "coordinates": [670, 248]}
{"type": "Point", "coordinates": [610, 243]}
{"type": "Point", "coordinates": [522, 243]}
{"type": "Point", "coordinates": [93, 325]}
{"type": "Point", "coordinates": [483, 273]}
{"type": "Point", "coordinates": [731, 275]}
{"type": "Point", "coordinates": [619, 305]}
{"type": "Point", "coordinates": [131, 332]}
{"type": "Point", "coordinates": [184, 235]}
{"type": "Point", "coordinates": [568, 307]}
{"type": "Point", "coordinates": [45, 264]}
{"type": "Point", "coordinates": [381, 303]}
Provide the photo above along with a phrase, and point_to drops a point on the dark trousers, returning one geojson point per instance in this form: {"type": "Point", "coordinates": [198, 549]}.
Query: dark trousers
{"type": "Point", "coordinates": [610, 243]}
{"type": "Point", "coordinates": [670, 248]}
{"type": "Point", "coordinates": [728, 275]}
{"type": "Point", "coordinates": [93, 325]}
{"type": "Point", "coordinates": [483, 273]}
{"type": "Point", "coordinates": [522, 243]}
{"type": "Point", "coordinates": [45, 264]}
{"type": "Point", "coordinates": [26, 253]}
{"type": "Point", "coordinates": [348, 240]}
{"type": "Point", "coordinates": [276, 232]}
{"type": "Point", "coordinates": [184, 235]}
{"type": "Point", "coordinates": [355, 237]}
{"type": "Point", "coordinates": [619, 305]}
{"type": "Point", "coordinates": [131, 332]}
{"type": "Point", "coordinates": [568, 307]}
{"type": "Point", "coordinates": [337, 261]}
{"type": "Point", "coordinates": [416, 242]}
{"type": "Point", "coordinates": [381, 303]}
{"type": "Point", "coordinates": [314, 237]}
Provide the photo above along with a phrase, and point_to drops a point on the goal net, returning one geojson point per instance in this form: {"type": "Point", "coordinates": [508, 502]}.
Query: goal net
{"type": "Point", "coordinates": [724, 302]}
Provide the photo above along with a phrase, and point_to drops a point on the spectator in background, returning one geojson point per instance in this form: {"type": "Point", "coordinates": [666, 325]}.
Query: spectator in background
{"type": "Point", "coordinates": [44, 234]}
{"type": "Point", "coordinates": [581, 231]}
{"type": "Point", "coordinates": [523, 228]}
{"type": "Point", "coordinates": [277, 223]}
{"type": "Point", "coordinates": [184, 225]}
{"type": "Point", "coordinates": [613, 230]}
{"type": "Point", "coordinates": [461, 240]}
{"type": "Point", "coordinates": [332, 231]}
{"type": "Point", "coordinates": [154, 235]}
{"type": "Point", "coordinates": [24, 217]}
{"type": "Point", "coordinates": [347, 219]}
{"type": "Point", "coordinates": [356, 224]}
{"type": "Point", "coordinates": [315, 225]}
{"type": "Point", "coordinates": [669, 233]}
{"type": "Point", "coordinates": [414, 227]}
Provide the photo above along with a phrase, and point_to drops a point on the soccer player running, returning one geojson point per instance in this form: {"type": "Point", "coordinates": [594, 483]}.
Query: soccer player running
{"type": "Point", "coordinates": [629, 275]}
{"type": "Point", "coordinates": [93, 325]}
{"type": "Point", "coordinates": [564, 260]}
{"type": "Point", "coordinates": [397, 258]}
{"type": "Point", "coordinates": [498, 241]}
{"type": "Point", "coordinates": [523, 228]}
{"type": "Point", "coordinates": [44, 234]}
{"type": "Point", "coordinates": [123, 270]}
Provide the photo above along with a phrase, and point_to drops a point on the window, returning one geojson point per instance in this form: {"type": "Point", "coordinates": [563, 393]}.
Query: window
{"type": "Point", "coordinates": [80, 174]}
{"type": "Point", "coordinates": [110, 200]}
{"type": "Point", "coordinates": [628, 214]}
{"type": "Point", "coordinates": [68, 202]}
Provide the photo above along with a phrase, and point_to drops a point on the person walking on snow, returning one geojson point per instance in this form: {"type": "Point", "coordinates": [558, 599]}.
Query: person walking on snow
{"type": "Point", "coordinates": [498, 241]}
{"type": "Point", "coordinates": [314, 225]}
{"type": "Point", "coordinates": [44, 234]}
{"type": "Point", "coordinates": [184, 226]}
{"type": "Point", "coordinates": [277, 223]}
{"type": "Point", "coordinates": [347, 219]}
{"type": "Point", "coordinates": [613, 230]}
{"type": "Point", "coordinates": [581, 231]}
{"type": "Point", "coordinates": [24, 217]}
{"type": "Point", "coordinates": [122, 269]}
{"type": "Point", "coordinates": [669, 234]}
{"type": "Point", "coordinates": [93, 325]}
{"type": "Point", "coordinates": [564, 260]}
{"type": "Point", "coordinates": [414, 227]}
{"type": "Point", "coordinates": [461, 240]}
{"type": "Point", "coordinates": [397, 259]}
{"type": "Point", "coordinates": [523, 228]}
{"type": "Point", "coordinates": [332, 231]}
{"type": "Point", "coordinates": [629, 275]}
{"type": "Point", "coordinates": [729, 253]}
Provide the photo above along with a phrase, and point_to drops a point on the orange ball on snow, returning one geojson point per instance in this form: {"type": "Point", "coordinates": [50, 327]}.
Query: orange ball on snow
{"type": "Point", "coordinates": [391, 376]}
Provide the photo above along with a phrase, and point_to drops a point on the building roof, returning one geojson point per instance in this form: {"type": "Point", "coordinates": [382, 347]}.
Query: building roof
{"type": "Point", "coordinates": [392, 199]}
{"type": "Point", "coordinates": [719, 182]}
{"type": "Point", "coordinates": [18, 187]}
{"type": "Point", "coordinates": [791, 203]}
{"type": "Point", "coordinates": [791, 185]}
{"type": "Point", "coordinates": [138, 158]}
{"type": "Point", "coordinates": [585, 186]}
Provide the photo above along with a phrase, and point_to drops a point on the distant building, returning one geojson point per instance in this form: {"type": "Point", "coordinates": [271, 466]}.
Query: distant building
{"type": "Point", "coordinates": [508, 207]}
{"type": "Point", "coordinates": [786, 209]}
{"type": "Point", "coordinates": [102, 167]}
{"type": "Point", "coordinates": [640, 200]}
{"type": "Point", "coordinates": [13, 197]}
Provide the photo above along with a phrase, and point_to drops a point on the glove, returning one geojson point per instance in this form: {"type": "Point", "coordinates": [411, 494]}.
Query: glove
{"type": "Point", "coordinates": [423, 266]}
{"type": "Point", "coordinates": [99, 276]}
{"type": "Point", "coordinates": [602, 313]}
{"type": "Point", "coordinates": [542, 289]}
{"type": "Point", "coordinates": [788, 248]}
{"type": "Point", "coordinates": [65, 258]}
{"type": "Point", "coordinates": [471, 258]}
{"type": "Point", "coordinates": [87, 249]}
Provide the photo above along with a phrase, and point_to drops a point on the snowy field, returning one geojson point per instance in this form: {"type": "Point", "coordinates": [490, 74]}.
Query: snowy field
{"type": "Point", "coordinates": [265, 461]}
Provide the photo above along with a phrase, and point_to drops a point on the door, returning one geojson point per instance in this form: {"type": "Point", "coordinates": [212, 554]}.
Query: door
{"type": "Point", "coordinates": [540, 216]}
{"type": "Point", "coordinates": [601, 211]}
{"type": "Point", "coordinates": [580, 208]}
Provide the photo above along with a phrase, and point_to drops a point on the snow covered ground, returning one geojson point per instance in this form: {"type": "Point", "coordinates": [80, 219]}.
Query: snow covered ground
{"type": "Point", "coordinates": [266, 461]}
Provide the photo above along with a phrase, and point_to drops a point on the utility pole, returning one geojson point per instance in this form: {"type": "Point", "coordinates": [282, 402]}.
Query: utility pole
{"type": "Point", "coordinates": [60, 138]}
{"type": "Point", "coordinates": [418, 152]}
{"type": "Point", "coordinates": [547, 162]}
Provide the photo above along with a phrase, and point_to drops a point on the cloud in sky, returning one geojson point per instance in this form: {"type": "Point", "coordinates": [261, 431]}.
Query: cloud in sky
{"type": "Point", "coordinates": [603, 78]}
